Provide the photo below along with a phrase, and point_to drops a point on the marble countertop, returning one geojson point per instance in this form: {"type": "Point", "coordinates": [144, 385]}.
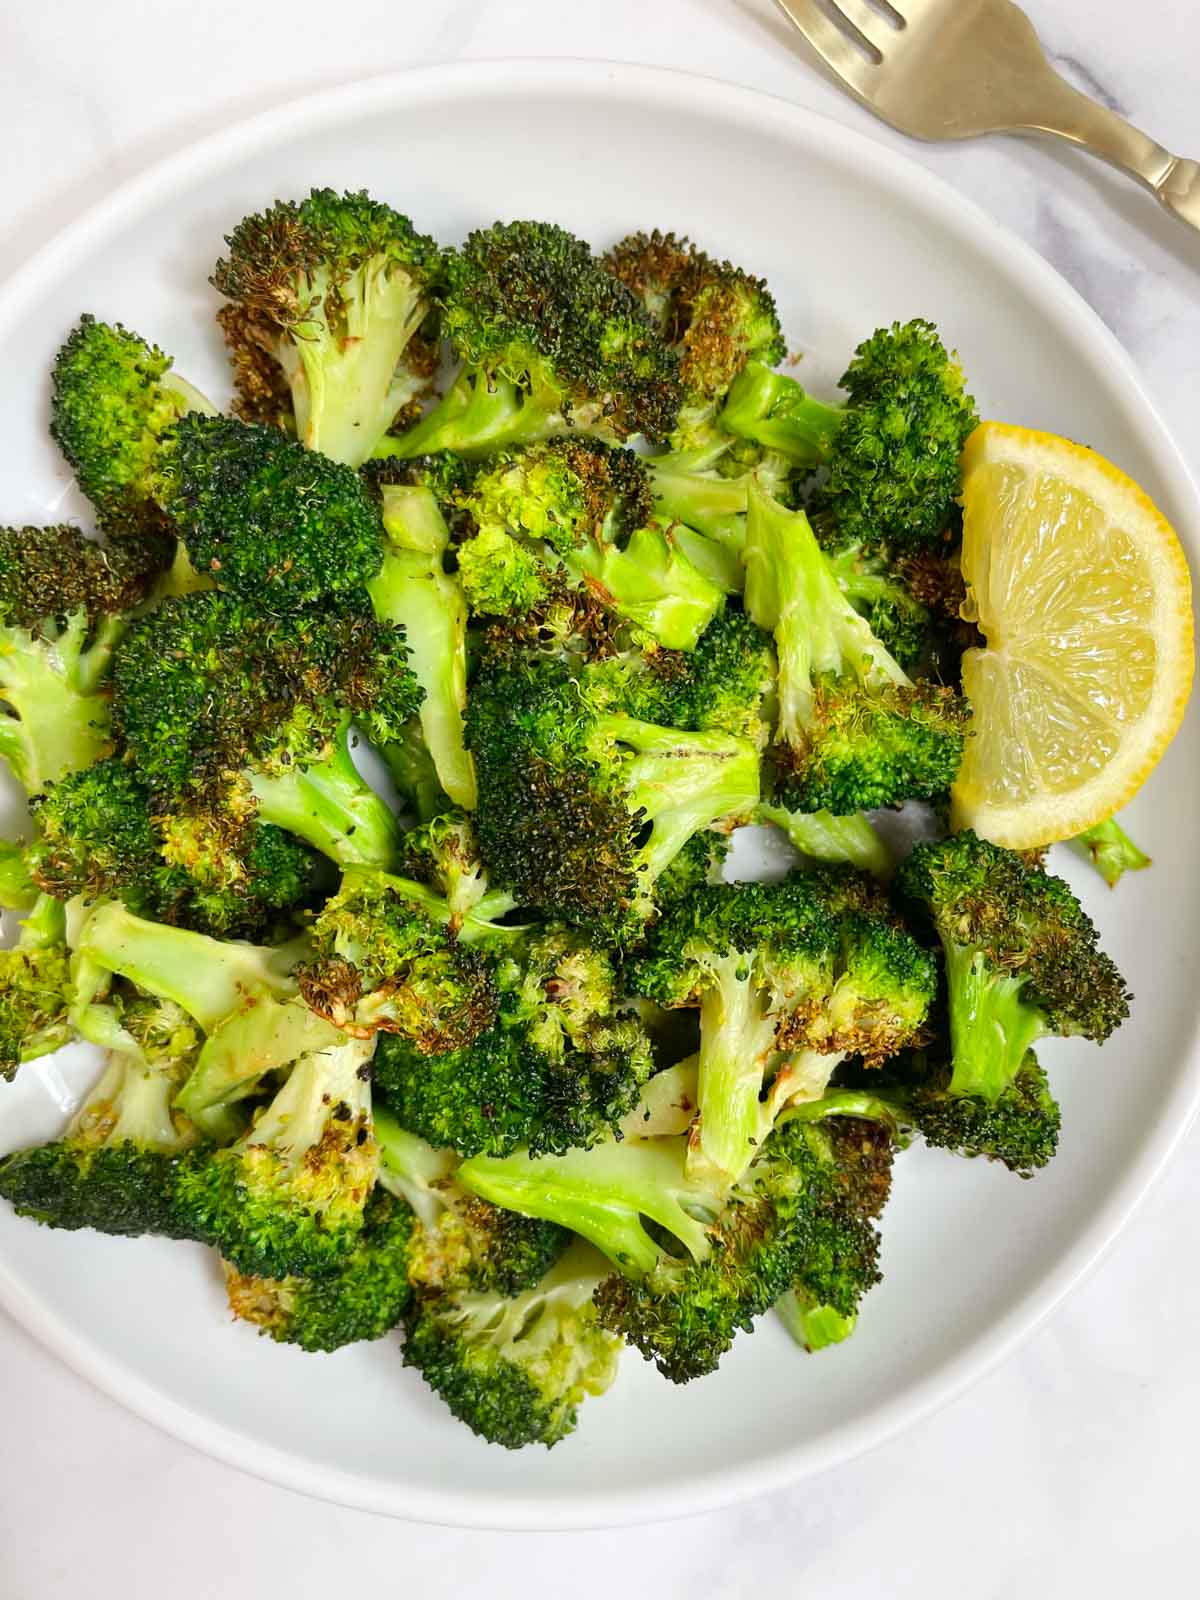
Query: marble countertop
{"type": "Point", "coordinates": [1069, 1470]}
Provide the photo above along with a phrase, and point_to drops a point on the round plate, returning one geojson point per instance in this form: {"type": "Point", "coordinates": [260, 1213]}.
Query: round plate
{"type": "Point", "coordinates": [849, 236]}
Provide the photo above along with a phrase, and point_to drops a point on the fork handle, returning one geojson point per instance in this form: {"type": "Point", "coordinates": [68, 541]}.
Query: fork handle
{"type": "Point", "coordinates": [1061, 109]}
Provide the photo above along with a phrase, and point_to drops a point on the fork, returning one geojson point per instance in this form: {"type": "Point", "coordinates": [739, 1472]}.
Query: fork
{"type": "Point", "coordinates": [952, 69]}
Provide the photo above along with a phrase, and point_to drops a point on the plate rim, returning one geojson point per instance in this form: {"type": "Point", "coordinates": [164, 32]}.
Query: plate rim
{"type": "Point", "coordinates": [712, 1488]}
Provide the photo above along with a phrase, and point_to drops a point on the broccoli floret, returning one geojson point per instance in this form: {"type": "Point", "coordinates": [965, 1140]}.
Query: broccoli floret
{"type": "Point", "coordinates": [63, 606]}
{"type": "Point", "coordinates": [37, 988]}
{"type": "Point", "coordinates": [570, 784]}
{"type": "Point", "coordinates": [548, 342]}
{"type": "Point", "coordinates": [712, 314]}
{"type": "Point", "coordinates": [1022, 958]}
{"type": "Point", "coordinates": [113, 397]}
{"type": "Point", "coordinates": [516, 1369]}
{"type": "Point", "coordinates": [458, 1240]}
{"type": "Point", "coordinates": [443, 854]}
{"type": "Point", "coordinates": [854, 732]}
{"type": "Point", "coordinates": [789, 978]}
{"type": "Point", "coordinates": [245, 997]}
{"type": "Point", "coordinates": [913, 1092]}
{"type": "Point", "coordinates": [325, 297]}
{"type": "Point", "coordinates": [264, 517]}
{"type": "Point", "coordinates": [231, 708]}
{"type": "Point", "coordinates": [1111, 851]}
{"type": "Point", "coordinates": [100, 833]}
{"type": "Point", "coordinates": [575, 513]}
{"type": "Point", "coordinates": [892, 452]}
{"type": "Point", "coordinates": [821, 836]}
{"type": "Point", "coordinates": [719, 1257]}
{"type": "Point", "coordinates": [386, 958]}
{"type": "Point", "coordinates": [523, 1081]}
{"type": "Point", "coordinates": [363, 1297]}
{"type": "Point", "coordinates": [114, 1168]}
{"type": "Point", "coordinates": [415, 592]}
{"type": "Point", "coordinates": [288, 1198]}
{"type": "Point", "coordinates": [893, 614]}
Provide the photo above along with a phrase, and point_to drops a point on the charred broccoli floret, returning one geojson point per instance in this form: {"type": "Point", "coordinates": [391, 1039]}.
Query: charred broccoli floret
{"type": "Point", "coordinates": [570, 782]}
{"type": "Point", "coordinates": [37, 988]}
{"type": "Point", "coordinates": [548, 342]}
{"type": "Point", "coordinates": [325, 298]}
{"type": "Point", "coordinates": [515, 1370]}
{"type": "Point", "coordinates": [115, 1167]}
{"type": "Point", "coordinates": [228, 706]}
{"type": "Point", "coordinates": [854, 732]}
{"type": "Point", "coordinates": [113, 397]}
{"type": "Point", "coordinates": [892, 451]}
{"type": "Point", "coordinates": [265, 518]}
{"type": "Point", "coordinates": [1022, 959]}
{"type": "Point", "coordinates": [64, 602]}
{"type": "Point", "coordinates": [789, 978]}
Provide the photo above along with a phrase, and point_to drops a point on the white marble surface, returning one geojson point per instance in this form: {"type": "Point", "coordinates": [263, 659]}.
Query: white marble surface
{"type": "Point", "coordinates": [1071, 1469]}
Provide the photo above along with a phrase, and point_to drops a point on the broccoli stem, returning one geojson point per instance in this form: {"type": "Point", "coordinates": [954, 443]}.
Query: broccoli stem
{"type": "Point", "coordinates": [701, 499]}
{"type": "Point", "coordinates": [813, 1326]}
{"type": "Point", "coordinates": [59, 722]}
{"type": "Point", "coordinates": [737, 1036]}
{"type": "Point", "coordinates": [413, 589]}
{"type": "Point", "coordinates": [478, 413]}
{"type": "Point", "coordinates": [791, 591]}
{"type": "Point", "coordinates": [409, 1168]}
{"type": "Point", "coordinates": [774, 411]}
{"type": "Point", "coordinates": [328, 1083]}
{"type": "Point", "coordinates": [209, 978]}
{"type": "Point", "coordinates": [991, 1027]}
{"type": "Point", "coordinates": [824, 837]}
{"type": "Point", "coordinates": [250, 1042]}
{"type": "Point", "coordinates": [412, 771]}
{"type": "Point", "coordinates": [1110, 850]}
{"type": "Point", "coordinates": [651, 582]}
{"type": "Point", "coordinates": [141, 1097]}
{"type": "Point", "coordinates": [330, 806]}
{"type": "Point", "coordinates": [603, 1194]}
{"type": "Point", "coordinates": [343, 387]}
{"type": "Point", "coordinates": [18, 892]}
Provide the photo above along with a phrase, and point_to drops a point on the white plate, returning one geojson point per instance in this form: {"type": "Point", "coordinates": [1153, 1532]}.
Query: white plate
{"type": "Point", "coordinates": [849, 236]}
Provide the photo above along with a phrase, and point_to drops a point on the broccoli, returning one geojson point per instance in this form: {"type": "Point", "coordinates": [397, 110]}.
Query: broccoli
{"type": "Point", "coordinates": [386, 958]}
{"type": "Point", "coordinates": [1022, 959]}
{"type": "Point", "coordinates": [515, 1369]}
{"type": "Point", "coordinates": [789, 978]}
{"type": "Point", "coordinates": [576, 513]}
{"type": "Point", "coordinates": [115, 1167]}
{"type": "Point", "coordinates": [288, 1198]}
{"type": "Point", "coordinates": [823, 837]}
{"type": "Point", "coordinates": [415, 592]}
{"type": "Point", "coordinates": [1111, 851]}
{"type": "Point", "coordinates": [265, 518]}
{"type": "Point", "coordinates": [100, 833]}
{"type": "Point", "coordinates": [549, 341]}
{"type": "Point", "coordinates": [113, 397]}
{"type": "Point", "coordinates": [719, 1256]}
{"type": "Point", "coordinates": [583, 806]}
{"type": "Point", "coordinates": [325, 299]}
{"type": "Point", "coordinates": [363, 1297]}
{"type": "Point", "coordinates": [712, 314]}
{"type": "Point", "coordinates": [892, 452]}
{"type": "Point", "coordinates": [523, 1081]}
{"type": "Point", "coordinates": [412, 771]}
{"type": "Point", "coordinates": [459, 1241]}
{"type": "Point", "coordinates": [18, 891]}
{"type": "Point", "coordinates": [245, 997]}
{"type": "Point", "coordinates": [64, 602]}
{"type": "Point", "coordinates": [233, 709]}
{"type": "Point", "coordinates": [913, 1093]}
{"type": "Point", "coordinates": [854, 732]}
{"type": "Point", "coordinates": [443, 854]}
{"type": "Point", "coordinates": [37, 988]}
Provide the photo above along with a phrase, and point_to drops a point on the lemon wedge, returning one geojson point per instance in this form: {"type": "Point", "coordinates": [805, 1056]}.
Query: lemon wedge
{"type": "Point", "coordinates": [1081, 589]}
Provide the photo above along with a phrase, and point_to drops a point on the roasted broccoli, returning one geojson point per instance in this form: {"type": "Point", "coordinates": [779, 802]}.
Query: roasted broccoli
{"type": "Point", "coordinates": [325, 299]}
{"type": "Point", "coordinates": [227, 706]}
{"type": "Point", "coordinates": [1111, 851]}
{"type": "Point", "coordinates": [1021, 955]}
{"type": "Point", "coordinates": [37, 988]}
{"type": "Point", "coordinates": [892, 452]}
{"type": "Point", "coordinates": [854, 732]}
{"type": "Point", "coordinates": [548, 341]}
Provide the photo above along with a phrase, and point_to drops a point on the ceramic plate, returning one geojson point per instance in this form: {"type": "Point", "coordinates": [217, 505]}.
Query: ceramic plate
{"type": "Point", "coordinates": [849, 236]}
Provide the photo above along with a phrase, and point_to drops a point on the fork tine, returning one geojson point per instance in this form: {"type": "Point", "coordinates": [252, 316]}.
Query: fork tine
{"type": "Point", "coordinates": [842, 58]}
{"type": "Point", "coordinates": [865, 19]}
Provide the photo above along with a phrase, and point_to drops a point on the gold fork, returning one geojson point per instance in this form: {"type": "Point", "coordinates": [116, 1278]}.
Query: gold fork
{"type": "Point", "coordinates": [951, 69]}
